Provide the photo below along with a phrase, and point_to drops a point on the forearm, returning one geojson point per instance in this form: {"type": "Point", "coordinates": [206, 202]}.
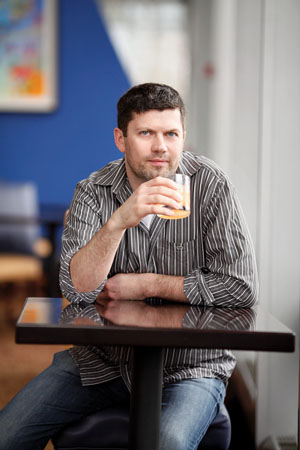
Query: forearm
{"type": "Point", "coordinates": [90, 266]}
{"type": "Point", "coordinates": [211, 291]}
{"type": "Point", "coordinates": [168, 287]}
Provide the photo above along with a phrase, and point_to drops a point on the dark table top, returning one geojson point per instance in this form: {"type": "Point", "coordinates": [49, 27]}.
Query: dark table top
{"type": "Point", "coordinates": [152, 323]}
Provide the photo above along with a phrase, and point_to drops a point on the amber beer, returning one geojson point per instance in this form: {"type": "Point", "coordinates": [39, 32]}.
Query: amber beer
{"type": "Point", "coordinates": [184, 188]}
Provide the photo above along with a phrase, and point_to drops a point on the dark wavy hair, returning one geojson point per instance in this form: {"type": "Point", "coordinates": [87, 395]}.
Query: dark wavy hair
{"type": "Point", "coordinates": [147, 96]}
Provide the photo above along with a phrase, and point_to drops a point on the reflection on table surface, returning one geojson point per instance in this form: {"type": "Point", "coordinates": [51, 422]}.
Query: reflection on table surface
{"type": "Point", "coordinates": [152, 313]}
{"type": "Point", "coordinates": [151, 322]}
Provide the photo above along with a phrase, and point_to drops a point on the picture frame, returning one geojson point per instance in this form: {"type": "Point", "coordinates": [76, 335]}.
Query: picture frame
{"type": "Point", "coordinates": [28, 56]}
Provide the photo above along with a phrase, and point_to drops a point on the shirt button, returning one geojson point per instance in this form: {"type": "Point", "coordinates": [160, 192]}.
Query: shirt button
{"type": "Point", "coordinates": [205, 270]}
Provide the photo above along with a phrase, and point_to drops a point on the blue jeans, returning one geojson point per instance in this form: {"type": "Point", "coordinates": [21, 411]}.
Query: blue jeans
{"type": "Point", "coordinates": [56, 398]}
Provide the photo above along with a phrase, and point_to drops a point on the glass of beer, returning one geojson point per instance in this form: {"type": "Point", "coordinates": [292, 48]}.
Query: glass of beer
{"type": "Point", "coordinates": [183, 182]}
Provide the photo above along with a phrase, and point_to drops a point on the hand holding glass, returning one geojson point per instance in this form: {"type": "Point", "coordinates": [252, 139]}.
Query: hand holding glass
{"type": "Point", "coordinates": [183, 182]}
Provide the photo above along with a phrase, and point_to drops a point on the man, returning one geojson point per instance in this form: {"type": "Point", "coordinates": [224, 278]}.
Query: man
{"type": "Point", "coordinates": [115, 247]}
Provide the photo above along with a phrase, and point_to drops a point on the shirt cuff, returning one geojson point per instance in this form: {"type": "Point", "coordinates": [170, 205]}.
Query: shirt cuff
{"type": "Point", "coordinates": [195, 288]}
{"type": "Point", "coordinates": [69, 290]}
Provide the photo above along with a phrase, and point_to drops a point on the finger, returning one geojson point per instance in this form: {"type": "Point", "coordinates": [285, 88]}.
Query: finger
{"type": "Point", "coordinates": [167, 192]}
{"type": "Point", "coordinates": [164, 211]}
{"type": "Point", "coordinates": [163, 200]}
{"type": "Point", "coordinates": [158, 204]}
{"type": "Point", "coordinates": [162, 181]}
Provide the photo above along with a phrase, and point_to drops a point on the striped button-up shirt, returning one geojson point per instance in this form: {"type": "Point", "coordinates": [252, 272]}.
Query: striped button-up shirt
{"type": "Point", "coordinates": [211, 249]}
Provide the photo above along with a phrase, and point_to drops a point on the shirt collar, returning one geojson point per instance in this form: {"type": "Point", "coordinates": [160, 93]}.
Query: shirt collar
{"type": "Point", "coordinates": [189, 164]}
{"type": "Point", "coordinates": [114, 175]}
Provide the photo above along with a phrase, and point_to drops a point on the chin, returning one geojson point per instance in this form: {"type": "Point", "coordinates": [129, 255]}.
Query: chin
{"type": "Point", "coordinates": [160, 173]}
{"type": "Point", "coordinates": [147, 174]}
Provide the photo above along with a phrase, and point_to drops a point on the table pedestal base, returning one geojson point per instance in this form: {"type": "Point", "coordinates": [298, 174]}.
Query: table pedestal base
{"type": "Point", "coordinates": [146, 398]}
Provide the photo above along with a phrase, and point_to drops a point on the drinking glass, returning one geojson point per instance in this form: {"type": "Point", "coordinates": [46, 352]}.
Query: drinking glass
{"type": "Point", "coordinates": [184, 188]}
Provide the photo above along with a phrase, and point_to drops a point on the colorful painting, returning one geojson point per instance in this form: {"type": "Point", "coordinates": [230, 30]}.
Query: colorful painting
{"type": "Point", "coordinates": [27, 55]}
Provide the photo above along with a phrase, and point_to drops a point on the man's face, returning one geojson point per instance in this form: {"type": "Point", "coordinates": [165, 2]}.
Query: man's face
{"type": "Point", "coordinates": [153, 145]}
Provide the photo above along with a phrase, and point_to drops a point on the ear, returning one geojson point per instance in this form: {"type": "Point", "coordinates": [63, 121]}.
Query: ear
{"type": "Point", "coordinates": [119, 139]}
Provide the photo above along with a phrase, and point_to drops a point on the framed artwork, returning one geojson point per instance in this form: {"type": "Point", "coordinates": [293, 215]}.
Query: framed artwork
{"type": "Point", "coordinates": [28, 55]}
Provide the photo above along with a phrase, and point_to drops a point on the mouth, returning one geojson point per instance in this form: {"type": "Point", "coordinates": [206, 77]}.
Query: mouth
{"type": "Point", "coordinates": [158, 162]}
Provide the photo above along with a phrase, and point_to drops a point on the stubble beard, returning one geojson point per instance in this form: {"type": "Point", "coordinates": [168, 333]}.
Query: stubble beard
{"type": "Point", "coordinates": [144, 173]}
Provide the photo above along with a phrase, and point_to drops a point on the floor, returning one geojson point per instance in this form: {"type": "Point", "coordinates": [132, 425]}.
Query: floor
{"type": "Point", "coordinates": [19, 363]}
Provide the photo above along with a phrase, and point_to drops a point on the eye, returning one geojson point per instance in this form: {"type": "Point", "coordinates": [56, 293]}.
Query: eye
{"type": "Point", "coordinates": [172, 133]}
{"type": "Point", "coordinates": [145, 133]}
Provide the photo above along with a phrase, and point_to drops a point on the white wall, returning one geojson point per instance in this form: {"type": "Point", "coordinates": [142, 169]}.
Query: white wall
{"type": "Point", "coordinates": [198, 101]}
{"type": "Point", "coordinates": [253, 132]}
{"type": "Point", "coordinates": [279, 214]}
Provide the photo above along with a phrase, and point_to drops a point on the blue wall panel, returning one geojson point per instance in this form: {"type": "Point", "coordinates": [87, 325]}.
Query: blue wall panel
{"type": "Point", "coordinates": [60, 148]}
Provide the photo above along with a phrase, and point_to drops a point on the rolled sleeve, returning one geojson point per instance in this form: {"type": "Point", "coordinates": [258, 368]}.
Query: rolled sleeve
{"type": "Point", "coordinates": [83, 221]}
{"type": "Point", "coordinates": [229, 277]}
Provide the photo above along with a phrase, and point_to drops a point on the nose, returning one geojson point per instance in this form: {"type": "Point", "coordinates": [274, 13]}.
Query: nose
{"type": "Point", "coordinates": [159, 144]}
